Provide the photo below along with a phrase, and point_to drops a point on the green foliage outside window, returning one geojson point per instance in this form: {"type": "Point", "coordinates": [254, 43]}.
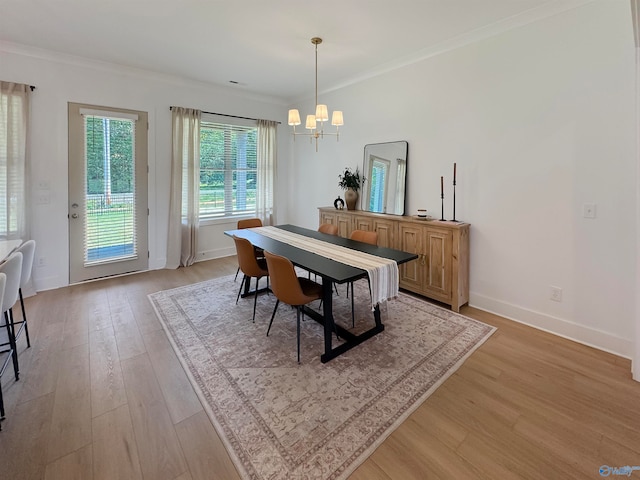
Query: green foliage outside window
{"type": "Point", "coordinates": [228, 169]}
{"type": "Point", "coordinates": [121, 155]}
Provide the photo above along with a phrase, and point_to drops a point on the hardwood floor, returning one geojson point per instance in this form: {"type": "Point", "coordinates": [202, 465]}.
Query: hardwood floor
{"type": "Point", "coordinates": [102, 395]}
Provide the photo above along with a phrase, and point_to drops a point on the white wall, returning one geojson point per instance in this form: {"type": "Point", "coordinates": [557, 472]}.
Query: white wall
{"type": "Point", "coordinates": [540, 121]}
{"type": "Point", "coordinates": [59, 80]}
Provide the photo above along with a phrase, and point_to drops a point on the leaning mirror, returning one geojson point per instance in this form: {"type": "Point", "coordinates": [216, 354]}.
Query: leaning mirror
{"type": "Point", "coordinates": [385, 168]}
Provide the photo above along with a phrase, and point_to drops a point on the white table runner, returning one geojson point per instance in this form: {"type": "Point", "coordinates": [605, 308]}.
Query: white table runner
{"type": "Point", "coordinates": [383, 272]}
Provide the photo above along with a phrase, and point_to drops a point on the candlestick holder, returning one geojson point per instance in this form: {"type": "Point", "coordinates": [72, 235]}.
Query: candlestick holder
{"type": "Point", "coordinates": [442, 219]}
{"type": "Point", "coordinates": [454, 201]}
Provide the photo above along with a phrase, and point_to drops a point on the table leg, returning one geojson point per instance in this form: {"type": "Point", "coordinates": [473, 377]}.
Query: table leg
{"type": "Point", "coordinates": [327, 305]}
{"type": "Point", "coordinates": [326, 319]}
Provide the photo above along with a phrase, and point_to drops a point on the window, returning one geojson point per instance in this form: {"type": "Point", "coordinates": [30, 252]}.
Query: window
{"type": "Point", "coordinates": [14, 114]}
{"type": "Point", "coordinates": [110, 216]}
{"type": "Point", "coordinates": [228, 170]}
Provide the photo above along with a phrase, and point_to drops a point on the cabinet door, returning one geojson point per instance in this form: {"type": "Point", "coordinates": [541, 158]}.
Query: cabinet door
{"type": "Point", "coordinates": [344, 225]}
{"type": "Point", "coordinates": [411, 273]}
{"type": "Point", "coordinates": [386, 232]}
{"type": "Point", "coordinates": [328, 217]}
{"type": "Point", "coordinates": [438, 264]}
{"type": "Point", "coordinates": [363, 223]}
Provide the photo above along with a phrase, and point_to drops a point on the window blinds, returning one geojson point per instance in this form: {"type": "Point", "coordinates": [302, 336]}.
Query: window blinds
{"type": "Point", "coordinates": [228, 169]}
{"type": "Point", "coordinates": [110, 215]}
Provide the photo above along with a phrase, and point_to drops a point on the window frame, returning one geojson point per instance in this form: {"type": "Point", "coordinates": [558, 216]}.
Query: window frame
{"type": "Point", "coordinates": [209, 121]}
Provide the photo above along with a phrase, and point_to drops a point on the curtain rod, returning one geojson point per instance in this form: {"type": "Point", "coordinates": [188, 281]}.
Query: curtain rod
{"type": "Point", "coordinates": [32, 87]}
{"type": "Point", "coordinates": [232, 116]}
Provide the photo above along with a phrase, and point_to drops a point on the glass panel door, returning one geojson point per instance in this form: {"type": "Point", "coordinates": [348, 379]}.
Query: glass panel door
{"type": "Point", "coordinates": [107, 192]}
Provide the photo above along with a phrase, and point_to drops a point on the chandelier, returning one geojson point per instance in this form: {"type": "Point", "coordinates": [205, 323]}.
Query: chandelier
{"type": "Point", "coordinates": [315, 123]}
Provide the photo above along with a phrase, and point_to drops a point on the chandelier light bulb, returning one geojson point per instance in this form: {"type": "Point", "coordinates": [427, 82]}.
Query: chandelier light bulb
{"type": "Point", "coordinates": [322, 115]}
{"type": "Point", "coordinates": [294, 117]}
{"type": "Point", "coordinates": [336, 119]}
{"type": "Point", "coordinates": [311, 122]}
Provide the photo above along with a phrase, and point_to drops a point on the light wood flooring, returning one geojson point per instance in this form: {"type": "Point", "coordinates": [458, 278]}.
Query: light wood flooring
{"type": "Point", "coordinates": [103, 396]}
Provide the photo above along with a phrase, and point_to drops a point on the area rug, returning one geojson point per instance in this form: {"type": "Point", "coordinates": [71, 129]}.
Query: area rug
{"type": "Point", "coordinates": [281, 420]}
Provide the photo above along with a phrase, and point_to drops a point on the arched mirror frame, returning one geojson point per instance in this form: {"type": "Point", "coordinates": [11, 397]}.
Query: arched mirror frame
{"type": "Point", "coordinates": [385, 168]}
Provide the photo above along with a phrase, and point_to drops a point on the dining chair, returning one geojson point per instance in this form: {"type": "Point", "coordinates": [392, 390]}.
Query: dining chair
{"type": "Point", "coordinates": [249, 223]}
{"type": "Point", "coordinates": [8, 352]}
{"type": "Point", "coordinates": [328, 228]}
{"type": "Point", "coordinates": [364, 236]}
{"type": "Point", "coordinates": [28, 250]}
{"type": "Point", "coordinates": [12, 268]}
{"type": "Point", "coordinates": [290, 289]}
{"type": "Point", "coordinates": [251, 267]}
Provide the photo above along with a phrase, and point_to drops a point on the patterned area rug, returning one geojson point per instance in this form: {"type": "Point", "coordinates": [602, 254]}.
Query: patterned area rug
{"type": "Point", "coordinates": [284, 420]}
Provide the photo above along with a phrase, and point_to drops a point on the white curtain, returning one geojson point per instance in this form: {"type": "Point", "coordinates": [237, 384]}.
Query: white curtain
{"type": "Point", "coordinates": [14, 118]}
{"type": "Point", "coordinates": [267, 155]}
{"type": "Point", "coordinates": [184, 204]}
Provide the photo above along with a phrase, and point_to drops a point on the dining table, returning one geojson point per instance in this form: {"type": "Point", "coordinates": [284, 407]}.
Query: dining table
{"type": "Point", "coordinates": [331, 272]}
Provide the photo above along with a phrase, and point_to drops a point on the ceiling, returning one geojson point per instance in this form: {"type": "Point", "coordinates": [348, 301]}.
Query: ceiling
{"type": "Point", "coordinates": [263, 46]}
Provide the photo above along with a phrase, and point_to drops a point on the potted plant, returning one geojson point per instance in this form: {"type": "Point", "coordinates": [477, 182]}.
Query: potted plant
{"type": "Point", "coordinates": [350, 182]}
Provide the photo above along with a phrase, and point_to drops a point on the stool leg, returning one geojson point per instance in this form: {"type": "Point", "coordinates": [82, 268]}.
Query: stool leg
{"type": "Point", "coordinates": [12, 344]}
{"type": "Point", "coordinates": [1, 406]}
{"type": "Point", "coordinates": [24, 318]}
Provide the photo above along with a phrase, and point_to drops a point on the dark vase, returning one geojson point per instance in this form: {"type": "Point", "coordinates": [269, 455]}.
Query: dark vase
{"type": "Point", "coordinates": [351, 198]}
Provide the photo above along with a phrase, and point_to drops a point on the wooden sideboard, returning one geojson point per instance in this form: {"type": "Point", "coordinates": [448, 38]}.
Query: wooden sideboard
{"type": "Point", "coordinates": [441, 271]}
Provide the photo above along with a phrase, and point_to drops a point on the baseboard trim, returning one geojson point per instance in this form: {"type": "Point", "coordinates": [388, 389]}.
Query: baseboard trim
{"type": "Point", "coordinates": [216, 253]}
{"type": "Point", "coordinates": [48, 283]}
{"type": "Point", "coordinates": [558, 326]}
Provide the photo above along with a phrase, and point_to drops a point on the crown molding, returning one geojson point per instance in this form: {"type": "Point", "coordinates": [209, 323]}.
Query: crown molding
{"type": "Point", "coordinates": [74, 60]}
{"type": "Point", "coordinates": [548, 9]}
{"type": "Point", "coordinates": [533, 15]}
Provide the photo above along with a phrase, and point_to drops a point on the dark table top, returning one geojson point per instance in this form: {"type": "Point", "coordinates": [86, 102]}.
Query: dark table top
{"type": "Point", "coordinates": [325, 267]}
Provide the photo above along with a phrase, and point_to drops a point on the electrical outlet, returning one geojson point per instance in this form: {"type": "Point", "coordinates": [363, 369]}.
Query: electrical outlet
{"type": "Point", "coordinates": [42, 261]}
{"type": "Point", "coordinates": [555, 293]}
{"type": "Point", "coordinates": [589, 210]}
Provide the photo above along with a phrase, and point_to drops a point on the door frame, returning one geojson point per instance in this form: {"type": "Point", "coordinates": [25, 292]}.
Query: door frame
{"type": "Point", "coordinates": [78, 272]}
